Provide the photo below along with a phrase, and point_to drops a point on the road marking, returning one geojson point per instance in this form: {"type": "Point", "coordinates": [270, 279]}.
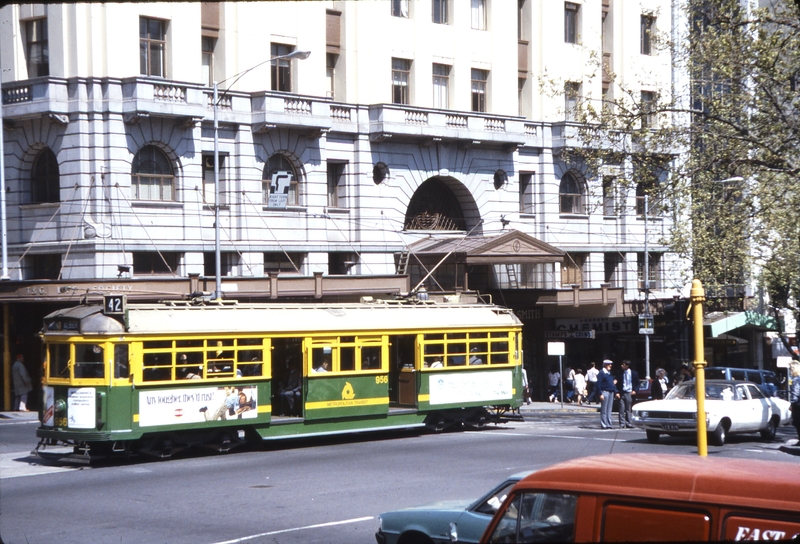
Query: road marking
{"type": "Point", "coordinates": [16, 465]}
{"type": "Point", "coordinates": [294, 529]}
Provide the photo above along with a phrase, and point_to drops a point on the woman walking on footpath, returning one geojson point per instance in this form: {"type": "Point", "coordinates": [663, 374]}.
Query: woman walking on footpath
{"type": "Point", "coordinates": [554, 378]}
{"type": "Point", "coordinates": [580, 386]}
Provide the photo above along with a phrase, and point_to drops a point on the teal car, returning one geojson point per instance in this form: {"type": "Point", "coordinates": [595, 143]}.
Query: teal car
{"type": "Point", "coordinates": [445, 521]}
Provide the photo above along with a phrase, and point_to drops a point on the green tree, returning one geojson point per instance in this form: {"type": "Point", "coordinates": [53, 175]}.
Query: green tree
{"type": "Point", "coordinates": [730, 137]}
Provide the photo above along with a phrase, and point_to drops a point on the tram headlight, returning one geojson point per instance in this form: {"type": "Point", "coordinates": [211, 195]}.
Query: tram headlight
{"type": "Point", "coordinates": [60, 407]}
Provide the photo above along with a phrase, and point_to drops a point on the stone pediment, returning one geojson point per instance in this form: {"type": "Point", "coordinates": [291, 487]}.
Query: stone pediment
{"type": "Point", "coordinates": [506, 248]}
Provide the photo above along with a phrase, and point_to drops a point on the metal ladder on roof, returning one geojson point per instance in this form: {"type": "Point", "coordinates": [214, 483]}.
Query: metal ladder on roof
{"type": "Point", "coordinates": [402, 263]}
{"type": "Point", "coordinates": [511, 272]}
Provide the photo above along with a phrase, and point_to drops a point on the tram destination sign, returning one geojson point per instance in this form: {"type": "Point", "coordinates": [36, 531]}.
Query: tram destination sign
{"type": "Point", "coordinates": [585, 335]}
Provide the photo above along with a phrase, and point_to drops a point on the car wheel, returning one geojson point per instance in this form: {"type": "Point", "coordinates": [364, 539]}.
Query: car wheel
{"type": "Point", "coordinates": [652, 436]}
{"type": "Point", "coordinates": [769, 432]}
{"type": "Point", "coordinates": [415, 538]}
{"type": "Point", "coordinates": [719, 435]}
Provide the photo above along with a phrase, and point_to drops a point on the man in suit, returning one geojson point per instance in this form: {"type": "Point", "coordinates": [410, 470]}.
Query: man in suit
{"type": "Point", "coordinates": [607, 389]}
{"type": "Point", "coordinates": [627, 384]}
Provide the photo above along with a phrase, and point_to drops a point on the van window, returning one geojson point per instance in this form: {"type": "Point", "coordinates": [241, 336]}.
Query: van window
{"type": "Point", "coordinates": [537, 517]}
{"type": "Point", "coordinates": [716, 374]}
{"type": "Point", "coordinates": [754, 376]}
{"type": "Point", "coordinates": [622, 522]}
{"type": "Point", "coordinates": [738, 375]}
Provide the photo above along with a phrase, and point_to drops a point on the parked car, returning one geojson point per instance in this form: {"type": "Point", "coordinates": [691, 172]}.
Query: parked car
{"type": "Point", "coordinates": [765, 379]}
{"type": "Point", "coordinates": [446, 521]}
{"type": "Point", "coordinates": [638, 497]}
{"type": "Point", "coordinates": [731, 407]}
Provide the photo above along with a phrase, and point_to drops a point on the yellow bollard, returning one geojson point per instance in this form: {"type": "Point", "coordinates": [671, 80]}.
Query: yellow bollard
{"type": "Point", "coordinates": [698, 296]}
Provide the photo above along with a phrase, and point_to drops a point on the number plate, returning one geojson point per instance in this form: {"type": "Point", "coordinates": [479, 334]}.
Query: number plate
{"type": "Point", "coordinates": [670, 426]}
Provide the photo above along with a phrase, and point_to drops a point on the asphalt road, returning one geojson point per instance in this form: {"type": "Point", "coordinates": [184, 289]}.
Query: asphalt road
{"type": "Point", "coordinates": [322, 491]}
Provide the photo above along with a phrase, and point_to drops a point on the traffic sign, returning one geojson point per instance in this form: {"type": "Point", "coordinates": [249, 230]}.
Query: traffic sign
{"type": "Point", "coordinates": [646, 324]}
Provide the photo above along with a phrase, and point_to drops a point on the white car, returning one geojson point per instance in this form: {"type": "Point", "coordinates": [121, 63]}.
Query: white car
{"type": "Point", "coordinates": [731, 407]}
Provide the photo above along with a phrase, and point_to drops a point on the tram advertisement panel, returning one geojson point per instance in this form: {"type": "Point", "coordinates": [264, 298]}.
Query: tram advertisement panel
{"type": "Point", "coordinates": [196, 405]}
{"type": "Point", "coordinates": [461, 387]}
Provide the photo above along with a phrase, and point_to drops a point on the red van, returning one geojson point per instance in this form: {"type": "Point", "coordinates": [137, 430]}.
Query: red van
{"type": "Point", "coordinates": [641, 497]}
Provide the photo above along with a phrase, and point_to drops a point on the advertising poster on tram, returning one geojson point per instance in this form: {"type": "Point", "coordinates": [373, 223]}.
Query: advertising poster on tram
{"type": "Point", "coordinates": [196, 405]}
{"type": "Point", "coordinates": [470, 387]}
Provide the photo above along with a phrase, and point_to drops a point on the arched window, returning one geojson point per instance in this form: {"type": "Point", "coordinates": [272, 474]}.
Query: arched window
{"type": "Point", "coordinates": [570, 195]}
{"type": "Point", "coordinates": [280, 183]}
{"type": "Point", "coordinates": [151, 175]}
{"type": "Point", "coordinates": [45, 186]}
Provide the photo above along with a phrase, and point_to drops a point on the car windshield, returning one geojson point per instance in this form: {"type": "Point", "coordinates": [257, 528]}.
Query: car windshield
{"type": "Point", "coordinates": [491, 503]}
{"type": "Point", "coordinates": [714, 391]}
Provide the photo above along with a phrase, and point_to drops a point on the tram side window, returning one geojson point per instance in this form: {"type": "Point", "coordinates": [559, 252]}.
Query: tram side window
{"type": "Point", "coordinates": [157, 367]}
{"type": "Point", "coordinates": [250, 362]}
{"type": "Point", "coordinates": [456, 354]}
{"type": "Point", "coordinates": [59, 360]}
{"type": "Point", "coordinates": [220, 360]}
{"type": "Point", "coordinates": [321, 359]}
{"type": "Point", "coordinates": [499, 354]}
{"type": "Point", "coordinates": [371, 358]}
{"type": "Point", "coordinates": [121, 365]}
{"type": "Point", "coordinates": [347, 357]}
{"type": "Point", "coordinates": [434, 354]}
{"type": "Point", "coordinates": [89, 361]}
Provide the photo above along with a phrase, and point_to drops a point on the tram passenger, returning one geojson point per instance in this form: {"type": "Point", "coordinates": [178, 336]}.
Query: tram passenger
{"type": "Point", "coordinates": [437, 362]}
{"type": "Point", "coordinates": [291, 393]}
{"type": "Point", "coordinates": [188, 372]}
{"type": "Point", "coordinates": [325, 365]}
{"type": "Point", "coordinates": [473, 358]}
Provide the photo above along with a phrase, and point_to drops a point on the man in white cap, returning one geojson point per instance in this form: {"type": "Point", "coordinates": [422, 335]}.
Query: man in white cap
{"type": "Point", "coordinates": [607, 386]}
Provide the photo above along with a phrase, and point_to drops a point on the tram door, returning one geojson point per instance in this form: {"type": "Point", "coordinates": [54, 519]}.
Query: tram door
{"type": "Point", "coordinates": [403, 374]}
{"type": "Point", "coordinates": [287, 377]}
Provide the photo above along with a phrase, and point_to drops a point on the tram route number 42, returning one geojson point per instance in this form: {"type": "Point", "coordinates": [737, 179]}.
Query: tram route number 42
{"type": "Point", "coordinates": [115, 305]}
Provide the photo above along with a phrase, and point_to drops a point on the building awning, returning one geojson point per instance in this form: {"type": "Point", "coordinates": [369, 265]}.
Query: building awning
{"type": "Point", "coordinates": [511, 247]}
{"type": "Point", "coordinates": [718, 323]}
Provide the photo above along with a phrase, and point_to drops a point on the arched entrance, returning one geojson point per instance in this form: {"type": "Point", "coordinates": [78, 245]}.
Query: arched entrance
{"type": "Point", "coordinates": [441, 203]}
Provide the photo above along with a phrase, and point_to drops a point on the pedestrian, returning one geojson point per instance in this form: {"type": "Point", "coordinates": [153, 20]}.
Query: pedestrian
{"type": "Point", "coordinates": [794, 396]}
{"type": "Point", "coordinates": [526, 387]}
{"type": "Point", "coordinates": [659, 387]}
{"type": "Point", "coordinates": [627, 384]}
{"type": "Point", "coordinates": [591, 383]}
{"type": "Point", "coordinates": [607, 387]}
{"type": "Point", "coordinates": [22, 384]}
{"type": "Point", "coordinates": [570, 384]}
{"type": "Point", "coordinates": [580, 386]}
{"type": "Point", "coordinates": [554, 378]}
{"type": "Point", "coordinates": [681, 375]}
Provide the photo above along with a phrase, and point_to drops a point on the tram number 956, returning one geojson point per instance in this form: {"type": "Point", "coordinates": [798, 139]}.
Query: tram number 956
{"type": "Point", "coordinates": [382, 379]}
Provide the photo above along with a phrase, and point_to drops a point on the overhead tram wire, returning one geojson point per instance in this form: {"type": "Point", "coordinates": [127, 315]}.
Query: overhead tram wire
{"type": "Point", "coordinates": [144, 228]}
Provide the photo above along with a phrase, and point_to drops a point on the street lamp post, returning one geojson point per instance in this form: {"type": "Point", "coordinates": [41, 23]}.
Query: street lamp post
{"type": "Point", "coordinates": [296, 54]}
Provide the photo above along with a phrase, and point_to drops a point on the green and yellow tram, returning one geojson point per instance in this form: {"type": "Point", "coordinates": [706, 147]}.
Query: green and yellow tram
{"type": "Point", "coordinates": [158, 377]}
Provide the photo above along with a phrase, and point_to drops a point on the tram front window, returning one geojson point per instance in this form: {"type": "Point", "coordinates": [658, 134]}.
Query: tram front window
{"type": "Point", "coordinates": [121, 366]}
{"type": "Point", "coordinates": [89, 361]}
{"type": "Point", "coordinates": [59, 360]}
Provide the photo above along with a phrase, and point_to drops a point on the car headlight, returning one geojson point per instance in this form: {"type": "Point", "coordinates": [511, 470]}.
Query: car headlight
{"type": "Point", "coordinates": [380, 524]}
{"type": "Point", "coordinates": [644, 414]}
{"type": "Point", "coordinates": [453, 532]}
